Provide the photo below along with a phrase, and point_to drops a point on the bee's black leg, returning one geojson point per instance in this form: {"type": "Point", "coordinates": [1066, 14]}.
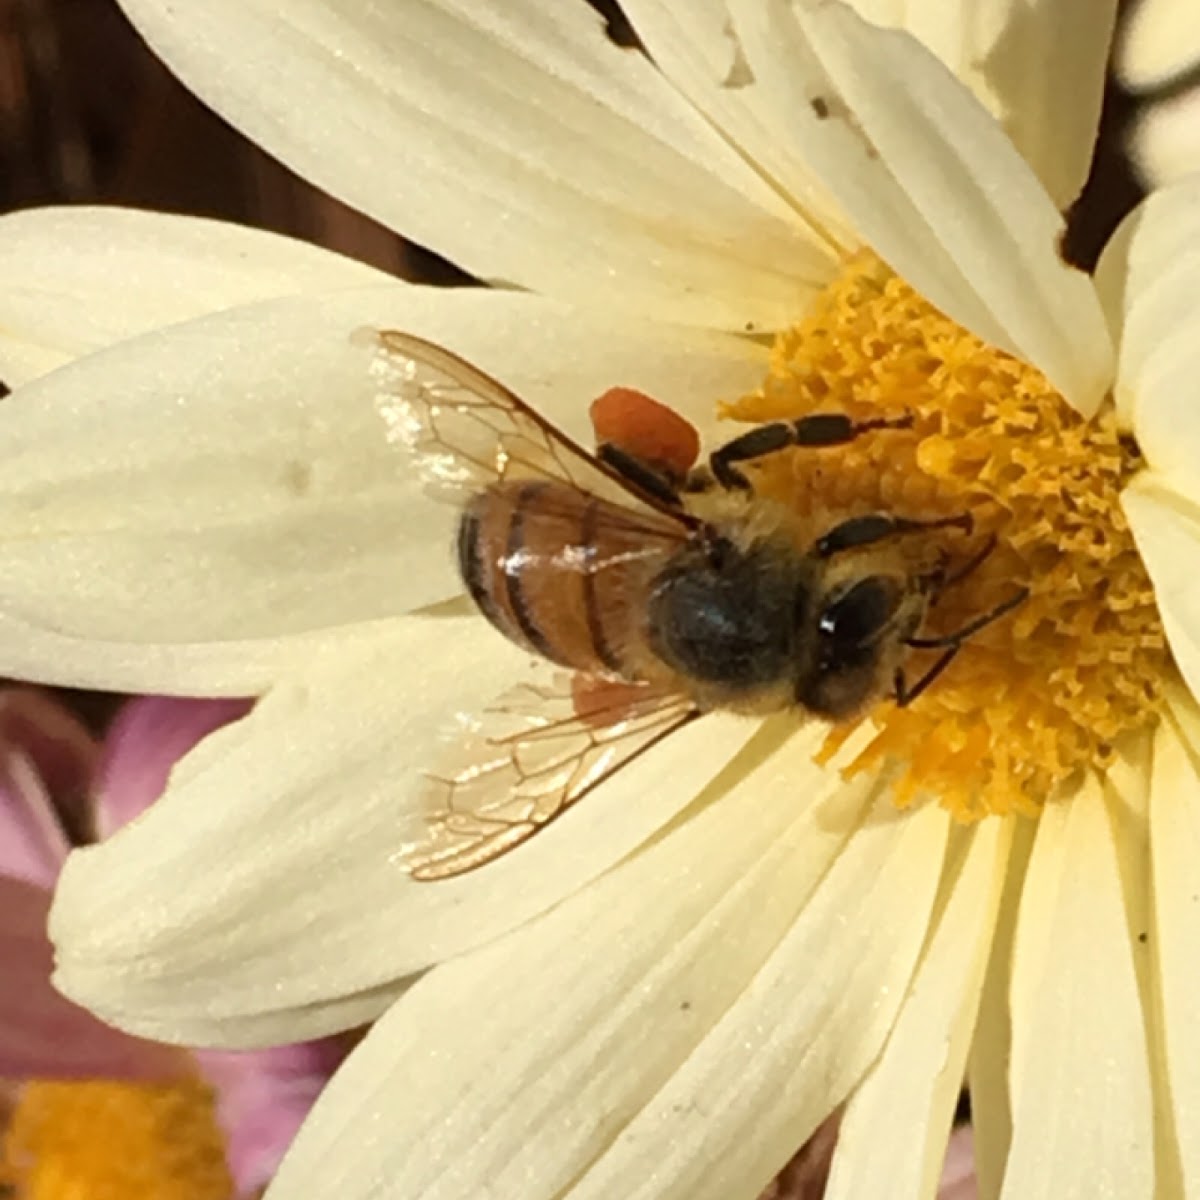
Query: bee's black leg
{"type": "Point", "coordinates": [949, 645]}
{"type": "Point", "coordinates": [969, 630]}
{"type": "Point", "coordinates": [640, 474]}
{"type": "Point", "coordinates": [856, 532]}
{"type": "Point", "coordinates": [967, 568]}
{"type": "Point", "coordinates": [817, 429]}
{"type": "Point", "coordinates": [905, 695]}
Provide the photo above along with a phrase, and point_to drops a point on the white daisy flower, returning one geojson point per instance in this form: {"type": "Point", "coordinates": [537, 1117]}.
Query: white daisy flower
{"type": "Point", "coordinates": [672, 986]}
{"type": "Point", "coordinates": [1158, 58]}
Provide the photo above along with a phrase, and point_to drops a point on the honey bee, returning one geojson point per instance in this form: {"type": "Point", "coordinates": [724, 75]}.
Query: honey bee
{"type": "Point", "coordinates": [667, 597]}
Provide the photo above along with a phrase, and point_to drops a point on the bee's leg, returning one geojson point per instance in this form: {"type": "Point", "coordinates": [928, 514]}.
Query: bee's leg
{"type": "Point", "coordinates": [950, 644]}
{"type": "Point", "coordinates": [971, 628]}
{"type": "Point", "coordinates": [856, 532]}
{"type": "Point", "coordinates": [645, 478]}
{"type": "Point", "coordinates": [976, 560]}
{"type": "Point", "coordinates": [817, 429]}
{"type": "Point", "coordinates": [699, 480]}
{"type": "Point", "coordinates": [905, 694]}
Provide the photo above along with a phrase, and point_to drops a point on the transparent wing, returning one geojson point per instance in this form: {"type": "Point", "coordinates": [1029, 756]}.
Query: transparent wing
{"type": "Point", "coordinates": [466, 431]}
{"type": "Point", "coordinates": [524, 761]}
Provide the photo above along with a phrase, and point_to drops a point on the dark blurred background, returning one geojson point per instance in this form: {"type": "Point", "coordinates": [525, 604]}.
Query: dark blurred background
{"type": "Point", "coordinates": [87, 114]}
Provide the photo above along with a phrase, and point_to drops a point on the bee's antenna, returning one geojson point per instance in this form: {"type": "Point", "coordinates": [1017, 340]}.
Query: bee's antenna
{"type": "Point", "coordinates": [969, 630]}
{"type": "Point", "coordinates": [950, 644]}
{"type": "Point", "coordinates": [972, 564]}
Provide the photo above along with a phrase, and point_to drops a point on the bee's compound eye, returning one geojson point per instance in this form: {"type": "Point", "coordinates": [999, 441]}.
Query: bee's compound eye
{"type": "Point", "coordinates": [855, 632]}
{"type": "Point", "coordinates": [857, 615]}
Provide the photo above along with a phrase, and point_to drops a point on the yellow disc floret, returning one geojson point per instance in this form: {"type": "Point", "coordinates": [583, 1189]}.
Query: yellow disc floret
{"type": "Point", "coordinates": [1051, 688]}
{"type": "Point", "coordinates": [114, 1141]}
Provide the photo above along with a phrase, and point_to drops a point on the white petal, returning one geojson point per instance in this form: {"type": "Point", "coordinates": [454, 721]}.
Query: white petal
{"type": "Point", "coordinates": [798, 1037]}
{"type": "Point", "coordinates": [1128, 786]}
{"type": "Point", "coordinates": [991, 1046]}
{"type": "Point", "coordinates": [1037, 65]}
{"type": "Point", "coordinates": [219, 668]}
{"type": "Point", "coordinates": [264, 884]}
{"type": "Point", "coordinates": [1164, 139]}
{"type": "Point", "coordinates": [515, 1069]}
{"type": "Point", "coordinates": [932, 183]}
{"type": "Point", "coordinates": [1149, 277]}
{"type": "Point", "coordinates": [1040, 67]}
{"type": "Point", "coordinates": [1175, 940]}
{"type": "Point", "coordinates": [696, 47]}
{"type": "Point", "coordinates": [897, 1149]}
{"type": "Point", "coordinates": [508, 1070]}
{"type": "Point", "coordinates": [229, 480]}
{"type": "Point", "coordinates": [1166, 528]}
{"type": "Point", "coordinates": [79, 279]}
{"type": "Point", "coordinates": [1037, 69]}
{"type": "Point", "coordinates": [1081, 1094]}
{"type": "Point", "coordinates": [1159, 39]}
{"type": "Point", "coordinates": [513, 137]}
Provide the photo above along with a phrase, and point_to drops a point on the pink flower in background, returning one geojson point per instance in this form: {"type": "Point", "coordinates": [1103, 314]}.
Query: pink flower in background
{"type": "Point", "coordinates": [806, 1177]}
{"type": "Point", "coordinates": [58, 789]}
{"type": "Point", "coordinates": [958, 1173]}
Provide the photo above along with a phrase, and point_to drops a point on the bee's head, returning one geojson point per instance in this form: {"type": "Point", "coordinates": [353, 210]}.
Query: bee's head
{"type": "Point", "coordinates": [853, 642]}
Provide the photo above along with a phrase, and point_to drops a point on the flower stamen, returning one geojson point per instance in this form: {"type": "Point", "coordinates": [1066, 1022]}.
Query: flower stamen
{"type": "Point", "coordinates": [1053, 687]}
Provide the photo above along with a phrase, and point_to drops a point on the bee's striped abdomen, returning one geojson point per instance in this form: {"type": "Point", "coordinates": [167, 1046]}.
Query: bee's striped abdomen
{"type": "Point", "coordinates": [551, 573]}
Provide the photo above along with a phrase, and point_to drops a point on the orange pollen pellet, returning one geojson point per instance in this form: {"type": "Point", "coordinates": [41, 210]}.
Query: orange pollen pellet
{"type": "Point", "coordinates": [645, 429]}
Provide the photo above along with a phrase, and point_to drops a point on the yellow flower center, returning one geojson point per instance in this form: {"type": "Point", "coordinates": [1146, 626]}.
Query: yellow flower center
{"type": "Point", "coordinates": [114, 1141]}
{"type": "Point", "coordinates": [1049, 689]}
